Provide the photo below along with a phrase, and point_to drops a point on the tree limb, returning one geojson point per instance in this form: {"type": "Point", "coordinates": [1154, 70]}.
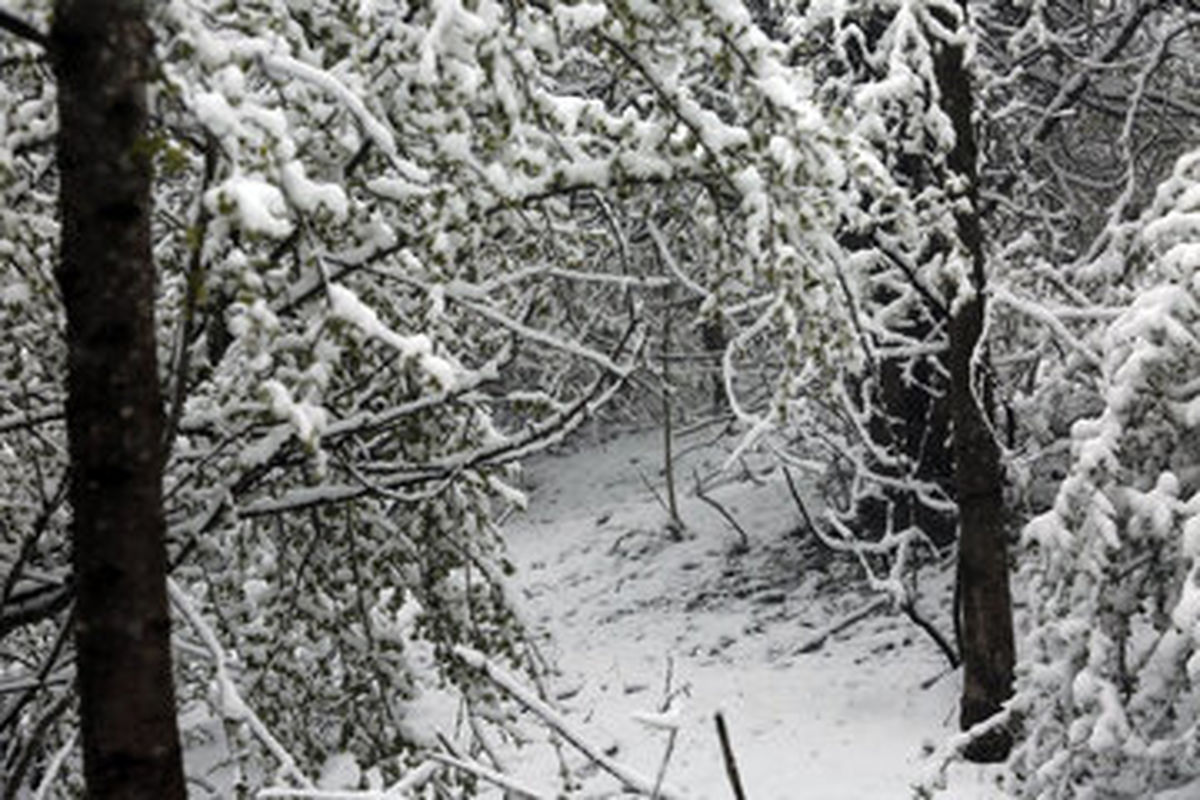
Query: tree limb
{"type": "Point", "coordinates": [22, 29]}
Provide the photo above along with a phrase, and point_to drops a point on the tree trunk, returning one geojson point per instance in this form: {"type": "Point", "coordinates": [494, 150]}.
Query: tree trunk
{"type": "Point", "coordinates": [986, 606]}
{"type": "Point", "coordinates": [102, 55]}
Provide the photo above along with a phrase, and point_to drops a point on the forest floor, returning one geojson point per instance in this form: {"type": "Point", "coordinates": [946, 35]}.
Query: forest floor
{"type": "Point", "coordinates": [630, 616]}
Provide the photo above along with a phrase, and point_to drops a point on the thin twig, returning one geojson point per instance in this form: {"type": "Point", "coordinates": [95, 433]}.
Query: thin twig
{"type": "Point", "coordinates": [744, 544]}
{"type": "Point", "coordinates": [669, 695]}
{"type": "Point", "coordinates": [731, 768]}
{"type": "Point", "coordinates": [194, 289]}
{"type": "Point", "coordinates": [25, 30]}
{"type": "Point", "coordinates": [50, 505]}
{"type": "Point", "coordinates": [511, 686]}
{"type": "Point", "coordinates": [12, 712]}
{"type": "Point", "coordinates": [787, 474]}
{"type": "Point", "coordinates": [817, 639]}
{"type": "Point", "coordinates": [662, 767]}
{"type": "Point", "coordinates": [654, 491]}
{"type": "Point", "coordinates": [909, 607]}
{"type": "Point", "coordinates": [491, 776]}
{"type": "Point", "coordinates": [52, 770]}
{"type": "Point", "coordinates": [17, 775]}
{"type": "Point", "coordinates": [231, 698]}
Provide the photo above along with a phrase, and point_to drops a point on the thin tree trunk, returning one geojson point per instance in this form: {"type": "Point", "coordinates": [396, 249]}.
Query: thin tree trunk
{"type": "Point", "coordinates": [674, 524]}
{"type": "Point", "coordinates": [986, 605]}
{"type": "Point", "coordinates": [102, 55]}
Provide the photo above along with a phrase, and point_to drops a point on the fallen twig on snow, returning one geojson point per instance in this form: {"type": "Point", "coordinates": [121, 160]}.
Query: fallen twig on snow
{"type": "Point", "coordinates": [731, 768]}
{"type": "Point", "coordinates": [506, 681]}
{"type": "Point", "coordinates": [413, 780]}
{"type": "Point", "coordinates": [491, 776]}
{"type": "Point", "coordinates": [662, 720]}
{"type": "Point", "coordinates": [817, 639]}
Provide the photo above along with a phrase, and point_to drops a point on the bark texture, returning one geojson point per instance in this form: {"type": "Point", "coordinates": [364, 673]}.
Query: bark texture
{"type": "Point", "coordinates": [102, 53]}
{"type": "Point", "coordinates": [985, 601]}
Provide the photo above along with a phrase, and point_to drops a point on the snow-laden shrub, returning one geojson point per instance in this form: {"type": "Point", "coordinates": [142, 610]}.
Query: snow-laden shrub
{"type": "Point", "coordinates": [1109, 655]}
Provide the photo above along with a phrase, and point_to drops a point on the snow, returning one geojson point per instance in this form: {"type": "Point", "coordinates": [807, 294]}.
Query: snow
{"type": "Point", "coordinates": [581, 17]}
{"type": "Point", "coordinates": [632, 617]}
{"type": "Point", "coordinates": [309, 195]}
{"type": "Point", "coordinates": [346, 305]}
{"type": "Point", "coordinates": [341, 771]}
{"type": "Point", "coordinates": [307, 419]}
{"type": "Point", "coordinates": [372, 126]}
{"type": "Point", "coordinates": [258, 206]}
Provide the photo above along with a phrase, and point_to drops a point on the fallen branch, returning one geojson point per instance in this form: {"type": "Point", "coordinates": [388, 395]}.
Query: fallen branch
{"type": "Point", "coordinates": [662, 767]}
{"type": "Point", "coordinates": [503, 679]}
{"type": "Point", "coordinates": [491, 776]}
{"type": "Point", "coordinates": [731, 768]}
{"type": "Point", "coordinates": [284, 793]}
{"type": "Point", "coordinates": [817, 639]}
{"type": "Point", "coordinates": [22, 29]}
{"type": "Point", "coordinates": [415, 779]}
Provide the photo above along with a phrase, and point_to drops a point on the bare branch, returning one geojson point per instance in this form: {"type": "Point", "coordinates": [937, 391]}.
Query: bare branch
{"type": "Point", "coordinates": [909, 607]}
{"type": "Point", "coordinates": [1078, 84]}
{"type": "Point", "coordinates": [744, 543]}
{"type": "Point", "coordinates": [814, 642]}
{"type": "Point", "coordinates": [22, 29]}
{"type": "Point", "coordinates": [33, 606]}
{"type": "Point", "coordinates": [554, 720]}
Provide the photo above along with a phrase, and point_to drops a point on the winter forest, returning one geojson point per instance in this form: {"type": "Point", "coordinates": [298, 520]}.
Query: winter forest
{"type": "Point", "coordinates": [601, 398]}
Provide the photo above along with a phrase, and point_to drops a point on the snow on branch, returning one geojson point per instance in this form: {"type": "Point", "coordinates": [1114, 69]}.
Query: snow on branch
{"type": "Point", "coordinates": [20, 28]}
{"type": "Point", "coordinates": [933, 777]}
{"type": "Point", "coordinates": [1030, 309]}
{"type": "Point", "coordinates": [233, 706]}
{"type": "Point", "coordinates": [379, 133]}
{"type": "Point", "coordinates": [1077, 84]}
{"type": "Point", "coordinates": [414, 779]}
{"type": "Point", "coordinates": [565, 345]}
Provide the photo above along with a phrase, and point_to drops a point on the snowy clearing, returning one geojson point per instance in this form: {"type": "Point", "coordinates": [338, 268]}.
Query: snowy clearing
{"type": "Point", "coordinates": [624, 610]}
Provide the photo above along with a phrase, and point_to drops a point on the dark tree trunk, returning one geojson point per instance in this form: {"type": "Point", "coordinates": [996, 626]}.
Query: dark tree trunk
{"type": "Point", "coordinates": [102, 56]}
{"type": "Point", "coordinates": [985, 604]}
{"type": "Point", "coordinates": [911, 417]}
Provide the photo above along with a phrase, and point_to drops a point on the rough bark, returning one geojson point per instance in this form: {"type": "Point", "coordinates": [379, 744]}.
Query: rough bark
{"type": "Point", "coordinates": [986, 606]}
{"type": "Point", "coordinates": [101, 52]}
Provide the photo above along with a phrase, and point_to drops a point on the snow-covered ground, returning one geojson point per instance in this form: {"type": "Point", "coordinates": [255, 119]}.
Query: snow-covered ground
{"type": "Point", "coordinates": [632, 617]}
